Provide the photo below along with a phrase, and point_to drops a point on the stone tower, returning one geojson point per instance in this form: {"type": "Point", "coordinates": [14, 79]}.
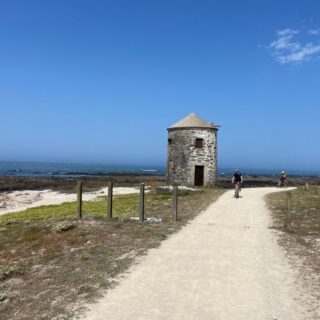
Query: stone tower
{"type": "Point", "coordinates": [192, 152]}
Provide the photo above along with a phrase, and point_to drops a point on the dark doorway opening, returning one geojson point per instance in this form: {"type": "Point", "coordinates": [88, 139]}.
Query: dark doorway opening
{"type": "Point", "coordinates": [199, 176]}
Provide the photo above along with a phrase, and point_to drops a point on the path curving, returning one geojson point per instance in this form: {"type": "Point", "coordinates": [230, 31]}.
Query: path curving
{"type": "Point", "coordinates": [224, 265]}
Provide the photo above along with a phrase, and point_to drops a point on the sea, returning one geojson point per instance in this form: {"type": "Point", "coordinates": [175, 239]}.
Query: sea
{"type": "Point", "coordinates": [51, 169]}
{"type": "Point", "coordinates": [67, 170]}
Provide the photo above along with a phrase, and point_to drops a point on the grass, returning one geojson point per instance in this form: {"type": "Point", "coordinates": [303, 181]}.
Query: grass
{"type": "Point", "coordinates": [300, 237]}
{"type": "Point", "coordinates": [47, 255]}
{"type": "Point", "coordinates": [12, 270]}
{"type": "Point", "coordinates": [305, 211]}
{"type": "Point", "coordinates": [123, 205]}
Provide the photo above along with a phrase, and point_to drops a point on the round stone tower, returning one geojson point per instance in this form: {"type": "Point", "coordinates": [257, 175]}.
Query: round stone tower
{"type": "Point", "coordinates": [192, 152]}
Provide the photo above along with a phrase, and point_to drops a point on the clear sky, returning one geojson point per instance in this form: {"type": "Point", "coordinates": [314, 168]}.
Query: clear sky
{"type": "Point", "coordinates": [100, 81]}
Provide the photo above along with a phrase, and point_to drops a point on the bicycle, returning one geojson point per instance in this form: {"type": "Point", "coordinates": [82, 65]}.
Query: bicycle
{"type": "Point", "coordinates": [282, 183]}
{"type": "Point", "coordinates": [237, 190]}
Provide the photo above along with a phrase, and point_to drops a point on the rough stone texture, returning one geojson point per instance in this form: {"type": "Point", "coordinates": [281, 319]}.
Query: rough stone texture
{"type": "Point", "coordinates": [183, 156]}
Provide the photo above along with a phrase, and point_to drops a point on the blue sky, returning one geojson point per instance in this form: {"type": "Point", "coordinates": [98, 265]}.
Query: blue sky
{"type": "Point", "coordinates": [100, 81]}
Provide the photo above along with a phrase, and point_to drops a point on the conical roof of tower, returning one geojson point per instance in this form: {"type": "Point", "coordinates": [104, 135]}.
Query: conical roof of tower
{"type": "Point", "coordinates": [193, 121]}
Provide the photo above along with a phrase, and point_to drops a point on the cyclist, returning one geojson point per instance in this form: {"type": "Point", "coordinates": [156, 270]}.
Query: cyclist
{"type": "Point", "coordinates": [237, 179]}
{"type": "Point", "coordinates": [282, 179]}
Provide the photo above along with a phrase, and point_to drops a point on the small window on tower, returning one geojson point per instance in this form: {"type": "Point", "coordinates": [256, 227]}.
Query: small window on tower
{"type": "Point", "coordinates": [170, 141]}
{"type": "Point", "coordinates": [199, 143]}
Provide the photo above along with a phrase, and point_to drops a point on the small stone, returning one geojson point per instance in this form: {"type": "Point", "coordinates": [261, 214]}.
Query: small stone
{"type": "Point", "coordinates": [14, 282]}
{"type": "Point", "coordinates": [36, 267]}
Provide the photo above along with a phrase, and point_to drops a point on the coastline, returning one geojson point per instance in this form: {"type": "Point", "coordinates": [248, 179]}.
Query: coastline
{"type": "Point", "coordinates": [21, 193]}
{"type": "Point", "coordinates": [95, 183]}
{"type": "Point", "coordinates": [63, 184]}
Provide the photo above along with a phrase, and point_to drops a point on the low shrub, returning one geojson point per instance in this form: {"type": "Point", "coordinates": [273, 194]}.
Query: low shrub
{"type": "Point", "coordinates": [63, 226]}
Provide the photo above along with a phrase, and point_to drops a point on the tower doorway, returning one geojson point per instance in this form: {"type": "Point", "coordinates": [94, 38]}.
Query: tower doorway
{"type": "Point", "coordinates": [199, 176]}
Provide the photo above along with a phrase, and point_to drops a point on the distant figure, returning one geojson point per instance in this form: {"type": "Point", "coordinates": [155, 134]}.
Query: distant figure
{"type": "Point", "coordinates": [237, 179]}
{"type": "Point", "coordinates": [282, 183]}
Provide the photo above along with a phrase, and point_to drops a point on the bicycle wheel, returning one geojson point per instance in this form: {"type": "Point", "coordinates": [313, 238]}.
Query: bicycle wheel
{"type": "Point", "coordinates": [236, 193]}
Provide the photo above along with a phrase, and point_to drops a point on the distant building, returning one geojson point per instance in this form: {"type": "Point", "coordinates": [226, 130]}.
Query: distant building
{"type": "Point", "coordinates": [192, 152]}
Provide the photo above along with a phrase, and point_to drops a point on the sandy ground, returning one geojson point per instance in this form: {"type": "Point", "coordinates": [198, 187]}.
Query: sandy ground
{"type": "Point", "coordinates": [22, 200]}
{"type": "Point", "coordinates": [224, 265]}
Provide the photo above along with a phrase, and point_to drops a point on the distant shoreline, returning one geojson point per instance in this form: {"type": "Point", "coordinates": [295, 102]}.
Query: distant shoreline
{"type": "Point", "coordinates": [74, 170]}
{"type": "Point", "coordinates": [91, 183]}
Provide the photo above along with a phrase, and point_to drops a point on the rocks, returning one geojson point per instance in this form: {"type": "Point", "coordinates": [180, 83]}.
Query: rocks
{"type": "Point", "coordinates": [148, 219]}
{"type": "Point", "coordinates": [181, 189]}
{"type": "Point", "coordinates": [3, 204]}
{"type": "Point", "coordinates": [3, 296]}
{"type": "Point", "coordinates": [37, 267]}
{"type": "Point", "coordinates": [14, 282]}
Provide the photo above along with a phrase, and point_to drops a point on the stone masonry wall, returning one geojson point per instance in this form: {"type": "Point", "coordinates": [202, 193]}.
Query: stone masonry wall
{"type": "Point", "coordinates": [183, 156]}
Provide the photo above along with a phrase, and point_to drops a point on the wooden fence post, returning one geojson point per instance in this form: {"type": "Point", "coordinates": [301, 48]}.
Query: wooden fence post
{"type": "Point", "coordinates": [79, 199]}
{"type": "Point", "coordinates": [289, 212]}
{"type": "Point", "coordinates": [110, 200]}
{"type": "Point", "coordinates": [141, 214]}
{"type": "Point", "coordinates": [175, 204]}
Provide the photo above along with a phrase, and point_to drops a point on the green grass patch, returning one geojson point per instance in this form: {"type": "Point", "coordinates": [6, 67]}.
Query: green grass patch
{"type": "Point", "coordinates": [123, 205]}
{"type": "Point", "coordinates": [62, 211]}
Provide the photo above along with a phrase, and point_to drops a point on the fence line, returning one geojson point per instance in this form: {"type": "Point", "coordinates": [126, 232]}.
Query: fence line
{"type": "Point", "coordinates": [79, 199]}
{"type": "Point", "coordinates": [79, 212]}
{"type": "Point", "coordinates": [110, 200]}
{"type": "Point", "coordinates": [141, 213]}
{"type": "Point", "coordinates": [175, 204]}
{"type": "Point", "coordinates": [289, 211]}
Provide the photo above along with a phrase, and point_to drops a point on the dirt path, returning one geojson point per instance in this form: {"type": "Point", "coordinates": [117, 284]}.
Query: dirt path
{"type": "Point", "coordinates": [224, 265]}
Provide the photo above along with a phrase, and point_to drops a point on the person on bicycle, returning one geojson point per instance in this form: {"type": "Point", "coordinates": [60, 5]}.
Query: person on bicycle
{"type": "Point", "coordinates": [237, 178]}
{"type": "Point", "coordinates": [282, 179]}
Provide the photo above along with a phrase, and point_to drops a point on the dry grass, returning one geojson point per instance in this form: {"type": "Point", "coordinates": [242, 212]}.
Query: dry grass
{"type": "Point", "coordinates": [51, 263]}
{"type": "Point", "coordinates": [305, 211]}
{"type": "Point", "coordinates": [300, 237]}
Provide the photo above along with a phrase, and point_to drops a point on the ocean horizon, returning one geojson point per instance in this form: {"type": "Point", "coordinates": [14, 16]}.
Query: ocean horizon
{"type": "Point", "coordinates": [61, 169]}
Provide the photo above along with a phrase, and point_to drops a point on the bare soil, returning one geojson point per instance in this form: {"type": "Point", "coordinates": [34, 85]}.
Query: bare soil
{"type": "Point", "coordinates": [45, 274]}
{"type": "Point", "coordinates": [301, 237]}
{"type": "Point", "coordinates": [225, 264]}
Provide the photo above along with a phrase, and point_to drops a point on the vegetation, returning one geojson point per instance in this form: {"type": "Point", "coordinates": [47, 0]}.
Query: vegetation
{"type": "Point", "coordinates": [123, 205]}
{"type": "Point", "coordinates": [63, 226]}
{"type": "Point", "coordinates": [48, 255]}
{"type": "Point", "coordinates": [69, 184]}
{"type": "Point", "coordinates": [297, 215]}
{"type": "Point", "coordinates": [303, 214]}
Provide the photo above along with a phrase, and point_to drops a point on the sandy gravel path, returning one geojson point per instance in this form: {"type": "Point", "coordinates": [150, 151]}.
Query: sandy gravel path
{"type": "Point", "coordinates": [224, 265]}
